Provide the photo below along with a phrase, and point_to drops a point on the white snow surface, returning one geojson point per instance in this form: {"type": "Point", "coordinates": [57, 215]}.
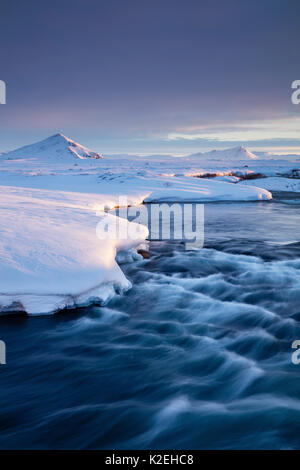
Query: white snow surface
{"type": "Point", "coordinates": [54, 193]}
{"type": "Point", "coordinates": [50, 255]}
{"type": "Point", "coordinates": [276, 183]}
{"type": "Point", "coordinates": [207, 190]}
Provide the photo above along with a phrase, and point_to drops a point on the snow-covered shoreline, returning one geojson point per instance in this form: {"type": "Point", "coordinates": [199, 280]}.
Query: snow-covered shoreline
{"type": "Point", "coordinates": [50, 255]}
{"type": "Point", "coordinates": [53, 194]}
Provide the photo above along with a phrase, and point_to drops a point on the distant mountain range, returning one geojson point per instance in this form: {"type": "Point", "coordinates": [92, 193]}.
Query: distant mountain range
{"type": "Point", "coordinates": [59, 148]}
{"type": "Point", "coordinates": [234, 153]}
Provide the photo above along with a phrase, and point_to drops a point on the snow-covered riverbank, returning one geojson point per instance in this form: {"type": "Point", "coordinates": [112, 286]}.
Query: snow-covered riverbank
{"type": "Point", "coordinates": [50, 256]}
{"type": "Point", "coordinates": [53, 194]}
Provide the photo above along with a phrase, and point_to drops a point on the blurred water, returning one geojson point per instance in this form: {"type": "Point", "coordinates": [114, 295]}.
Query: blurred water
{"type": "Point", "coordinates": [196, 355]}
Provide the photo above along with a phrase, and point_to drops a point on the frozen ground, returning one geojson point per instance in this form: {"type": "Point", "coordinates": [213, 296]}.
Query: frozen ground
{"type": "Point", "coordinates": [52, 194]}
{"type": "Point", "coordinates": [50, 256]}
{"type": "Point", "coordinates": [276, 183]}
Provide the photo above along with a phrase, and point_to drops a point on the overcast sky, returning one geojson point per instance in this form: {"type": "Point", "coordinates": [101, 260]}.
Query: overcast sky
{"type": "Point", "coordinates": [151, 75]}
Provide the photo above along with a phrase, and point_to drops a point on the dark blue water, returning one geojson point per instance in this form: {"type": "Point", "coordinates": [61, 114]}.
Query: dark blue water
{"type": "Point", "coordinates": [196, 355]}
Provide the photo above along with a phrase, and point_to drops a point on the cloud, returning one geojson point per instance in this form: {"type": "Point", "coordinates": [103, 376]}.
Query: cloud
{"type": "Point", "coordinates": [284, 128]}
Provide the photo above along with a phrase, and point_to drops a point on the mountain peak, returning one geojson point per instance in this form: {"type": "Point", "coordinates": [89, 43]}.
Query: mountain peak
{"type": "Point", "coordinates": [234, 153]}
{"type": "Point", "coordinates": [239, 147]}
{"type": "Point", "coordinates": [57, 147]}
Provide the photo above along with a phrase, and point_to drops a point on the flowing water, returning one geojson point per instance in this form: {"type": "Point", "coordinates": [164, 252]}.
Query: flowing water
{"type": "Point", "coordinates": [196, 355]}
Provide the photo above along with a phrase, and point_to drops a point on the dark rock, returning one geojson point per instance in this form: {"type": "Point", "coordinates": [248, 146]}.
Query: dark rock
{"type": "Point", "coordinates": [145, 254]}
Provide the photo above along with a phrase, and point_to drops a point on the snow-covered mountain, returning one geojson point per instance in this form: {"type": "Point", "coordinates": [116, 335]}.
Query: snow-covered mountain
{"type": "Point", "coordinates": [57, 148]}
{"type": "Point", "coordinates": [234, 153]}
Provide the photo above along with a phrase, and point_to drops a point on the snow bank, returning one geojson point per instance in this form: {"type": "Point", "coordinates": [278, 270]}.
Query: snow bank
{"type": "Point", "coordinates": [50, 255]}
{"type": "Point", "coordinates": [276, 184]}
{"type": "Point", "coordinates": [208, 191]}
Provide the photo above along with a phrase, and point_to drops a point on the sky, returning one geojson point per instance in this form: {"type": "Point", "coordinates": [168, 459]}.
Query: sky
{"type": "Point", "coordinates": [159, 76]}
